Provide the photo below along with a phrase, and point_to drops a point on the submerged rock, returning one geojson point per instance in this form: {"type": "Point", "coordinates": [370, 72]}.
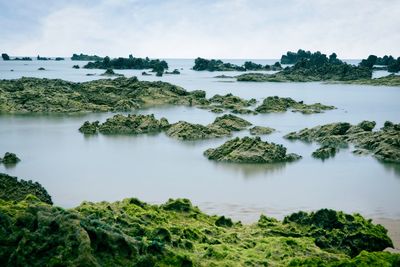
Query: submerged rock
{"type": "Point", "coordinates": [250, 150]}
{"type": "Point", "coordinates": [9, 158]}
{"type": "Point", "coordinates": [383, 144]}
{"type": "Point", "coordinates": [260, 130]}
{"type": "Point", "coordinates": [75, 67]}
{"type": "Point", "coordinates": [282, 104]}
{"type": "Point", "coordinates": [41, 68]}
{"type": "Point", "coordinates": [16, 190]}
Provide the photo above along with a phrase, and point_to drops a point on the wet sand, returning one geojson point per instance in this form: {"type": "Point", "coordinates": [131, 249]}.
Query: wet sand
{"type": "Point", "coordinates": [393, 227]}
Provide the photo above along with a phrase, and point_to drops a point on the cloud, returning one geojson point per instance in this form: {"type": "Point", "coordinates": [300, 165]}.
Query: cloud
{"type": "Point", "coordinates": [217, 29]}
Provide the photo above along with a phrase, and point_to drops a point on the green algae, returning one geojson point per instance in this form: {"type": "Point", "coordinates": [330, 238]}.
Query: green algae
{"type": "Point", "coordinates": [282, 104]}
{"type": "Point", "coordinates": [250, 150]}
{"type": "Point", "coordinates": [383, 144]}
{"type": "Point", "coordinates": [134, 233]}
{"type": "Point", "coordinates": [16, 190]}
{"type": "Point", "coordinates": [390, 80]}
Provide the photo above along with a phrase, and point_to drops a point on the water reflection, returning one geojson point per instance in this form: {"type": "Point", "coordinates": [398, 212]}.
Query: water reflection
{"type": "Point", "coordinates": [251, 170]}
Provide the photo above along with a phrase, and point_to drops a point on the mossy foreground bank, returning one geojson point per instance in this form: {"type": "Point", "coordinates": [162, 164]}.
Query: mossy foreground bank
{"type": "Point", "coordinates": [133, 233]}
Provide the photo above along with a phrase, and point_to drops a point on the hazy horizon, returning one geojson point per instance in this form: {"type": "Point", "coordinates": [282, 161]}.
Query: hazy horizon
{"type": "Point", "coordinates": [186, 29]}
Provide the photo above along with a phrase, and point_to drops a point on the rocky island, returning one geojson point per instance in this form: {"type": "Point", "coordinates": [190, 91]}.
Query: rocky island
{"type": "Point", "coordinates": [201, 64]}
{"type": "Point", "coordinates": [133, 233]}
{"type": "Point", "coordinates": [83, 57]}
{"type": "Point", "coordinates": [383, 144]}
{"type": "Point", "coordinates": [250, 150]}
{"type": "Point", "coordinates": [131, 62]}
{"type": "Point", "coordinates": [310, 67]}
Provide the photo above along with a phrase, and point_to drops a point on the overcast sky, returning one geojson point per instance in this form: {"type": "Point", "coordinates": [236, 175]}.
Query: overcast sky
{"type": "Point", "coordinates": [187, 29]}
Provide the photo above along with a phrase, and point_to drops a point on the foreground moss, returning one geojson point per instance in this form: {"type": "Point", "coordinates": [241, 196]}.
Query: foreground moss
{"type": "Point", "coordinates": [383, 144]}
{"type": "Point", "coordinates": [16, 190]}
{"type": "Point", "coordinates": [133, 233]}
{"type": "Point", "coordinates": [250, 150]}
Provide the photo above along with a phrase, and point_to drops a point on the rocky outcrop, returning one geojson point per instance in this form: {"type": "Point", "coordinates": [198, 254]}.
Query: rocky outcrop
{"type": "Point", "coordinates": [282, 104]}
{"type": "Point", "coordinates": [250, 150]}
{"type": "Point", "coordinates": [222, 126]}
{"type": "Point", "coordinates": [44, 95]}
{"type": "Point", "coordinates": [383, 144]}
{"type": "Point", "coordinates": [9, 159]}
{"type": "Point", "coordinates": [16, 190]}
{"type": "Point", "coordinates": [110, 72]}
{"type": "Point", "coordinates": [131, 124]}
{"type": "Point", "coordinates": [260, 130]}
{"type": "Point", "coordinates": [187, 131]}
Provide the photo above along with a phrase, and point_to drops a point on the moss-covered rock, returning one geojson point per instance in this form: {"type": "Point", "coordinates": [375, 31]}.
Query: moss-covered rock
{"type": "Point", "coordinates": [230, 101]}
{"type": "Point", "coordinates": [222, 126]}
{"type": "Point", "coordinates": [133, 233]}
{"type": "Point", "coordinates": [383, 144]}
{"type": "Point", "coordinates": [282, 104]}
{"type": "Point", "coordinates": [9, 158]}
{"type": "Point", "coordinates": [325, 152]}
{"type": "Point", "coordinates": [16, 190]}
{"type": "Point", "coordinates": [337, 231]}
{"type": "Point", "coordinates": [250, 150]}
{"type": "Point", "coordinates": [230, 122]}
{"type": "Point", "coordinates": [89, 127]}
{"type": "Point", "coordinates": [45, 95]}
{"type": "Point", "coordinates": [130, 124]}
{"type": "Point", "coordinates": [188, 131]}
{"type": "Point", "coordinates": [261, 130]}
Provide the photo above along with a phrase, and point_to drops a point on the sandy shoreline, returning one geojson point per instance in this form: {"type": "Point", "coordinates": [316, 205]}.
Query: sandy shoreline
{"type": "Point", "coordinates": [393, 227]}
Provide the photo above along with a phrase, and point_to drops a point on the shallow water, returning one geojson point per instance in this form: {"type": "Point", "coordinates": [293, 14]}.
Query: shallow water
{"type": "Point", "coordinates": [74, 168]}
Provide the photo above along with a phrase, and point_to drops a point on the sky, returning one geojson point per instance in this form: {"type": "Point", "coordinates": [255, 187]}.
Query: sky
{"type": "Point", "coordinates": [253, 29]}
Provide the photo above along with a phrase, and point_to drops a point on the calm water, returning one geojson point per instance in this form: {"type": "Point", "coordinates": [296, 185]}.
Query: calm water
{"type": "Point", "coordinates": [154, 168]}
